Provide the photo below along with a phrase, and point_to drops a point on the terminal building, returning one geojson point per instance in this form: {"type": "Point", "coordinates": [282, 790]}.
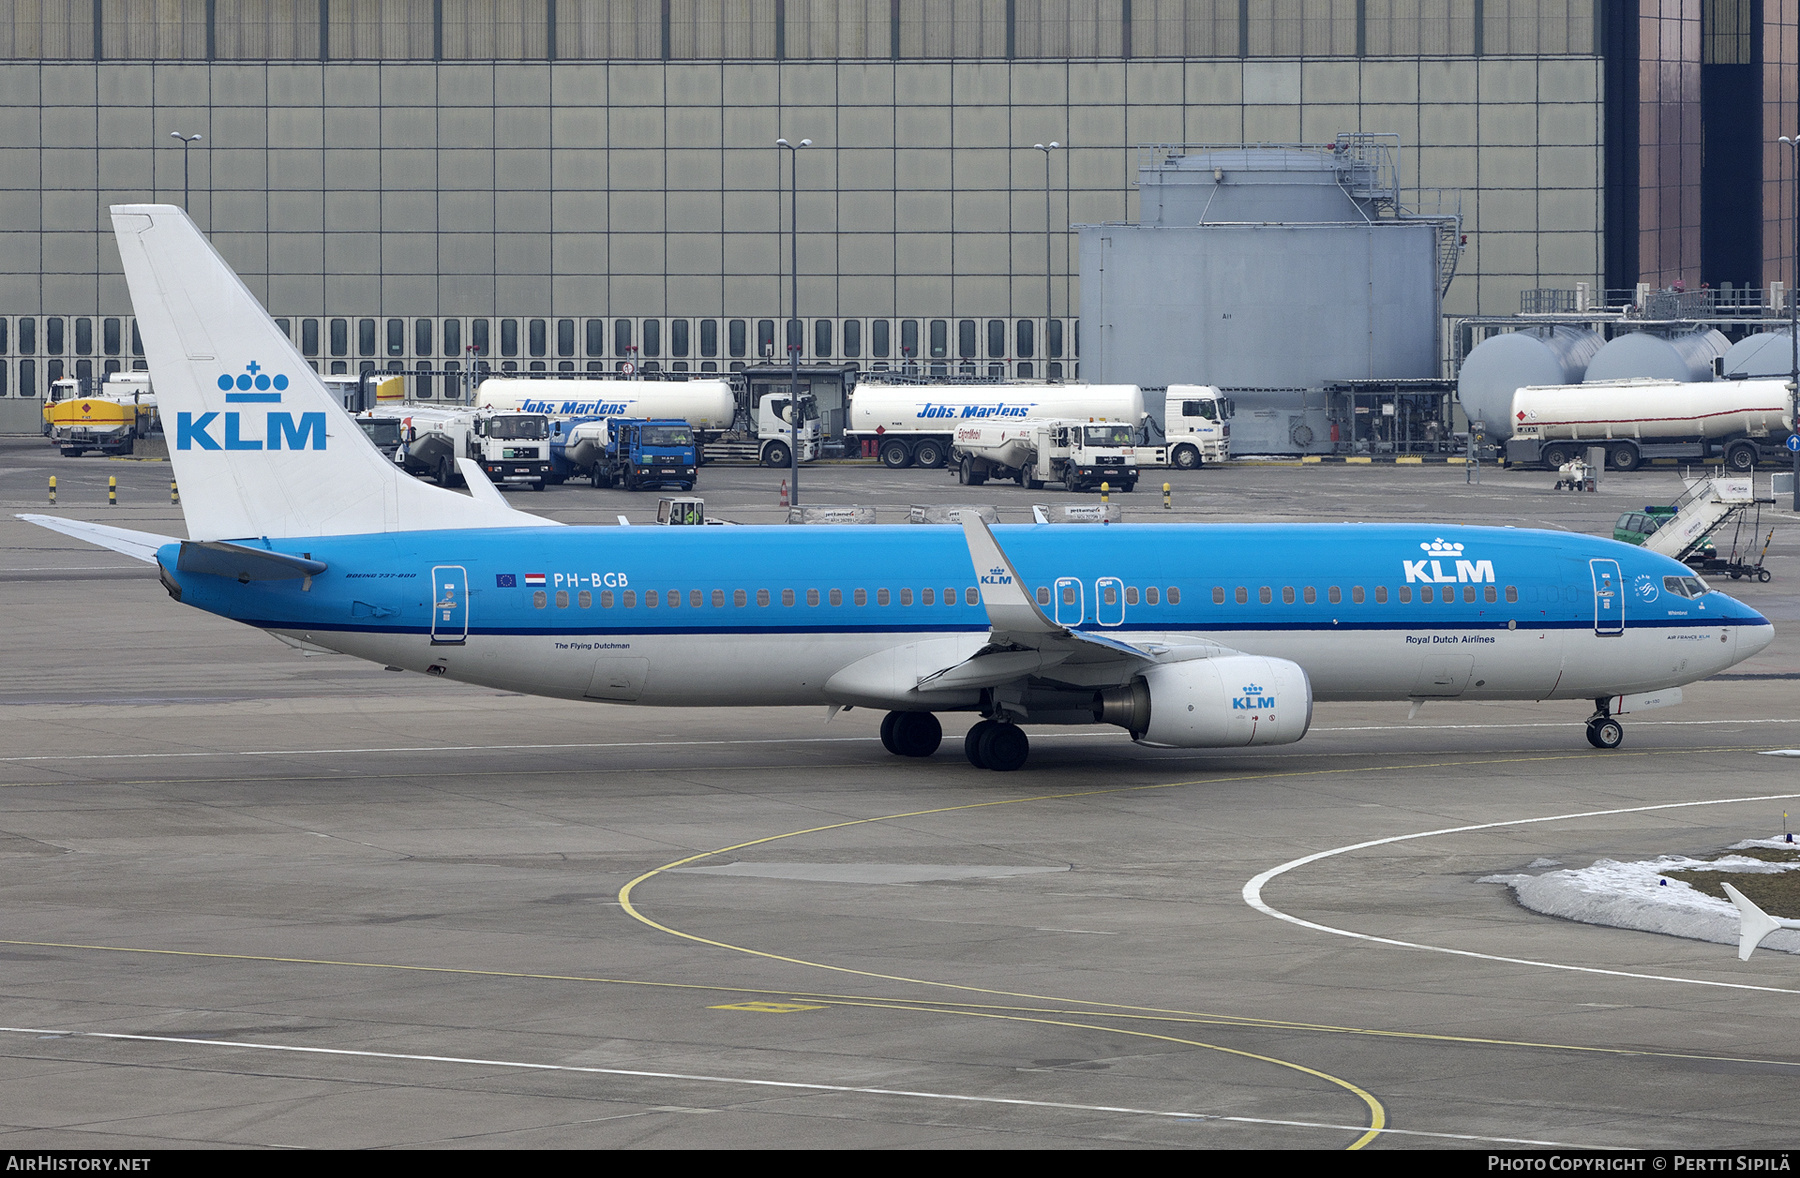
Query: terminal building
{"type": "Point", "coordinates": [574, 185]}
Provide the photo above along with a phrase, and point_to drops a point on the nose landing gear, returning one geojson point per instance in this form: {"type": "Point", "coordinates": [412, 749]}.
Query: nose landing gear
{"type": "Point", "coordinates": [1604, 732]}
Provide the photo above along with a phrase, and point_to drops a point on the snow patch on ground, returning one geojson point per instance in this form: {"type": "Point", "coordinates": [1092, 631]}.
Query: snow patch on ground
{"type": "Point", "coordinates": [1639, 896]}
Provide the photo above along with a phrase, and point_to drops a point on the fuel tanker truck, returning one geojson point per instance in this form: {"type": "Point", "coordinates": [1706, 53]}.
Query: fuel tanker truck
{"type": "Point", "coordinates": [707, 405]}
{"type": "Point", "coordinates": [1736, 422]}
{"type": "Point", "coordinates": [913, 424]}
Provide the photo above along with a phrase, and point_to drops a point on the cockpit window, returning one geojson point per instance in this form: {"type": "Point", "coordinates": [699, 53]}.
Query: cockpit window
{"type": "Point", "coordinates": [1686, 586]}
{"type": "Point", "coordinates": [1108, 435]}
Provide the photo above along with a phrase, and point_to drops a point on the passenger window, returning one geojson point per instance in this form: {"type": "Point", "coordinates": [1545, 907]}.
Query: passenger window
{"type": "Point", "coordinates": [1424, 593]}
{"type": "Point", "coordinates": [606, 599]}
{"type": "Point", "coordinates": [1043, 595]}
{"type": "Point", "coordinates": [740, 598]}
{"type": "Point", "coordinates": [861, 597]}
{"type": "Point", "coordinates": [1468, 593]}
{"type": "Point", "coordinates": [630, 598]}
{"type": "Point", "coordinates": [1131, 595]}
{"type": "Point", "coordinates": [1151, 596]}
{"type": "Point", "coordinates": [674, 598]}
{"type": "Point", "coordinates": [1218, 594]}
{"type": "Point", "coordinates": [694, 598]}
{"type": "Point", "coordinates": [881, 596]}
{"type": "Point", "coordinates": [837, 597]}
{"type": "Point", "coordinates": [1512, 593]}
{"type": "Point", "coordinates": [719, 598]}
{"type": "Point", "coordinates": [539, 599]}
{"type": "Point", "coordinates": [950, 596]}
{"type": "Point", "coordinates": [650, 599]}
{"type": "Point", "coordinates": [787, 597]}
{"type": "Point", "coordinates": [812, 597]}
{"type": "Point", "coordinates": [1381, 595]}
{"type": "Point", "coordinates": [585, 599]}
{"type": "Point", "coordinates": [906, 596]}
{"type": "Point", "coordinates": [1174, 595]}
{"type": "Point", "coordinates": [1264, 595]}
{"type": "Point", "coordinates": [1068, 595]}
{"type": "Point", "coordinates": [1334, 595]}
{"type": "Point", "coordinates": [1109, 595]}
{"type": "Point", "coordinates": [1490, 594]}
{"type": "Point", "coordinates": [1311, 595]}
{"type": "Point", "coordinates": [972, 596]}
{"type": "Point", "coordinates": [762, 597]}
{"type": "Point", "coordinates": [1287, 595]}
{"type": "Point", "coordinates": [1243, 595]}
{"type": "Point", "coordinates": [562, 599]}
{"type": "Point", "coordinates": [927, 596]}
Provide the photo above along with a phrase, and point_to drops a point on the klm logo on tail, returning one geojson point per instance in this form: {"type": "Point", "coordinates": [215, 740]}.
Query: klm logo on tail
{"type": "Point", "coordinates": [252, 386]}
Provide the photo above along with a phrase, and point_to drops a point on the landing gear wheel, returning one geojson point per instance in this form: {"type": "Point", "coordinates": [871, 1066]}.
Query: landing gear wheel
{"type": "Point", "coordinates": [777, 455]}
{"type": "Point", "coordinates": [896, 455]}
{"type": "Point", "coordinates": [1186, 458]}
{"type": "Point", "coordinates": [973, 741]}
{"type": "Point", "coordinates": [887, 732]}
{"type": "Point", "coordinates": [1605, 733]}
{"type": "Point", "coordinates": [914, 734]}
{"type": "Point", "coordinates": [1004, 747]}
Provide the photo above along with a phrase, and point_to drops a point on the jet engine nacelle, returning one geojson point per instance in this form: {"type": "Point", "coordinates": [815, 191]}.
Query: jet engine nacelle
{"type": "Point", "coordinates": [1228, 702]}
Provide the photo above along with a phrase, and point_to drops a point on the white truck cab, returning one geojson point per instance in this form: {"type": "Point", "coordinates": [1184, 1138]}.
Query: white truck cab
{"type": "Point", "coordinates": [1196, 429]}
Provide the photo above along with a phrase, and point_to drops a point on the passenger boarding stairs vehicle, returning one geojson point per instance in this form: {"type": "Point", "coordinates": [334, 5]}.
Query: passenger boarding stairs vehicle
{"type": "Point", "coordinates": [1684, 530]}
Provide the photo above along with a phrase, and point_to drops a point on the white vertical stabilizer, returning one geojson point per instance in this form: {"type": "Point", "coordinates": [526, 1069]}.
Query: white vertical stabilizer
{"type": "Point", "coordinates": [258, 446]}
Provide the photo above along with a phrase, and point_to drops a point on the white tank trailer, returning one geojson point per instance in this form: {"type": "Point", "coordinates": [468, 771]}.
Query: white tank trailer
{"type": "Point", "coordinates": [1269, 272]}
{"type": "Point", "coordinates": [916, 424]}
{"type": "Point", "coordinates": [707, 405]}
{"type": "Point", "coordinates": [1501, 365]}
{"type": "Point", "coordinates": [1685, 356]}
{"type": "Point", "coordinates": [1738, 422]}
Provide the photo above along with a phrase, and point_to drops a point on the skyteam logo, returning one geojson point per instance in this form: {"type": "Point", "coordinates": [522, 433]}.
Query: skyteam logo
{"type": "Point", "coordinates": [996, 576]}
{"type": "Point", "coordinates": [1252, 699]}
{"type": "Point", "coordinates": [252, 386]}
{"type": "Point", "coordinates": [1440, 552]}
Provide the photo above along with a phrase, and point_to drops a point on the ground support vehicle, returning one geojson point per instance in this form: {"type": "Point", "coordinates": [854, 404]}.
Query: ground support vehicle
{"type": "Point", "coordinates": [1080, 455]}
{"type": "Point", "coordinates": [1196, 429]}
{"type": "Point", "coordinates": [638, 454]}
{"type": "Point", "coordinates": [764, 435]}
{"type": "Point", "coordinates": [1736, 422]}
{"type": "Point", "coordinates": [1684, 529]}
{"type": "Point", "coordinates": [512, 449]}
{"type": "Point", "coordinates": [916, 424]}
{"type": "Point", "coordinates": [109, 416]}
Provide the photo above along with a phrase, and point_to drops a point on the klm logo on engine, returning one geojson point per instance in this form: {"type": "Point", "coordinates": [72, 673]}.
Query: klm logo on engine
{"type": "Point", "coordinates": [937, 411]}
{"type": "Point", "coordinates": [279, 429]}
{"type": "Point", "coordinates": [996, 576]}
{"type": "Point", "coordinates": [1431, 571]}
{"type": "Point", "coordinates": [1252, 699]}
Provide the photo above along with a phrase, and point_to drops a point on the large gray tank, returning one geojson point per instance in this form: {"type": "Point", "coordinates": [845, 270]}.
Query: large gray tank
{"type": "Point", "coordinates": [1685, 356]}
{"type": "Point", "coordinates": [1767, 353]}
{"type": "Point", "coordinates": [1500, 365]}
{"type": "Point", "coordinates": [1271, 270]}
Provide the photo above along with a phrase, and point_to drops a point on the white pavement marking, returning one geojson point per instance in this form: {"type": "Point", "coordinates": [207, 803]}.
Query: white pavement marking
{"type": "Point", "coordinates": [1780, 753]}
{"type": "Point", "coordinates": [651, 744]}
{"type": "Point", "coordinates": [1253, 893]}
{"type": "Point", "coordinates": [790, 1085]}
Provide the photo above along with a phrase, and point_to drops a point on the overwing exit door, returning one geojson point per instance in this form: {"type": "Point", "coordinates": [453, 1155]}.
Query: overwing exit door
{"type": "Point", "coordinates": [449, 605]}
{"type": "Point", "coordinates": [1071, 602]}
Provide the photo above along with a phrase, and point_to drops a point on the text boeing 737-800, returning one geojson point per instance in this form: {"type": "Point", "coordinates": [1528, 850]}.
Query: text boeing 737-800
{"type": "Point", "coordinates": [1187, 636]}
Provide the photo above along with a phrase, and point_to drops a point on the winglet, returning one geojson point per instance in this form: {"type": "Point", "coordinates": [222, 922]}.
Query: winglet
{"type": "Point", "coordinates": [1753, 923]}
{"type": "Point", "coordinates": [480, 486]}
{"type": "Point", "coordinates": [1009, 605]}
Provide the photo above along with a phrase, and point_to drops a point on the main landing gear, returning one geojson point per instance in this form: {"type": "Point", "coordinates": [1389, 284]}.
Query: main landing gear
{"type": "Point", "coordinates": [991, 744]}
{"type": "Point", "coordinates": [1604, 732]}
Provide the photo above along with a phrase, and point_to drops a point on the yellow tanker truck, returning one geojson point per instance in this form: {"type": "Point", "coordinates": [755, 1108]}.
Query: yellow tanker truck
{"type": "Point", "coordinates": [108, 417]}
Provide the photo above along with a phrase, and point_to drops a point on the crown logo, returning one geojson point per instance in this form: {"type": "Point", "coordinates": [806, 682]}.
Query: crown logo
{"type": "Point", "coordinates": [1439, 548]}
{"type": "Point", "coordinates": [253, 377]}
{"type": "Point", "coordinates": [1252, 689]}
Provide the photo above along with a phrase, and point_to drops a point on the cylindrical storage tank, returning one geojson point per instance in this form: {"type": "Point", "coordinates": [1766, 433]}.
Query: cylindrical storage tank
{"type": "Point", "coordinates": [1767, 353]}
{"type": "Point", "coordinates": [1686, 356]}
{"type": "Point", "coordinates": [1247, 184]}
{"type": "Point", "coordinates": [1501, 365]}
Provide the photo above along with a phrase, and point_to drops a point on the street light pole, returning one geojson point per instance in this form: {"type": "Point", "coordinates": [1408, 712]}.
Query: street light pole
{"type": "Point", "coordinates": [185, 141]}
{"type": "Point", "coordinates": [1046, 148]}
{"type": "Point", "coordinates": [1792, 143]}
{"type": "Point", "coordinates": [794, 317]}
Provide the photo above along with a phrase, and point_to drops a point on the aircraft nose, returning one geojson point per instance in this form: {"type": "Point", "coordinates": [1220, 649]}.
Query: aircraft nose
{"type": "Point", "coordinates": [1752, 639]}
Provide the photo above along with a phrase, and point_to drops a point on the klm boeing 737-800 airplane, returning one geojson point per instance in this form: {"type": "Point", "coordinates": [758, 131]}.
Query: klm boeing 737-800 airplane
{"type": "Point", "coordinates": [1187, 636]}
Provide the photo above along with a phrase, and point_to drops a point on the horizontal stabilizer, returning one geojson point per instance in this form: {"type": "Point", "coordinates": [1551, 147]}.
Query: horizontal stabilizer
{"type": "Point", "coordinates": [240, 562]}
{"type": "Point", "coordinates": [137, 545]}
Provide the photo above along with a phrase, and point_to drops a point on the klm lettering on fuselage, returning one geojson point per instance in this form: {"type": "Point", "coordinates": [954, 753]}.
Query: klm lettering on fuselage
{"type": "Point", "coordinates": [937, 411]}
{"type": "Point", "coordinates": [279, 429]}
{"type": "Point", "coordinates": [1253, 700]}
{"type": "Point", "coordinates": [1430, 571]}
{"type": "Point", "coordinates": [578, 408]}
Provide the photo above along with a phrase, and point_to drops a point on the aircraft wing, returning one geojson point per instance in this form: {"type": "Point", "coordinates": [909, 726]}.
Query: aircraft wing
{"type": "Point", "coordinates": [137, 545]}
